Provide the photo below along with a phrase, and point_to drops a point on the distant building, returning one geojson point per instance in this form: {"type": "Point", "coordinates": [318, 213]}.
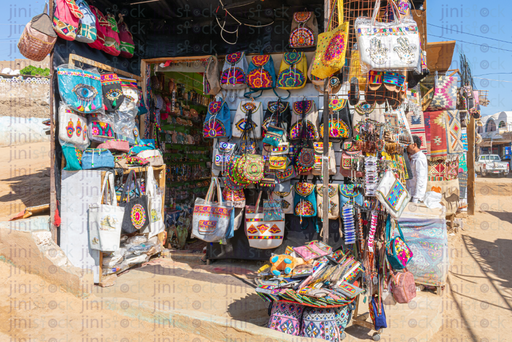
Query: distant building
{"type": "Point", "coordinates": [19, 64]}
{"type": "Point", "coordinates": [496, 133]}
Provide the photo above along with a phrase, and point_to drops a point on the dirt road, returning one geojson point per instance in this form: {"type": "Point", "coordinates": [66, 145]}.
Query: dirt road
{"type": "Point", "coordinates": [24, 177]}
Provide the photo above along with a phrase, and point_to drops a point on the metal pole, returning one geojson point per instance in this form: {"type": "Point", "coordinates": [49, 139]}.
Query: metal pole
{"type": "Point", "coordinates": [325, 165]}
{"type": "Point", "coordinates": [471, 166]}
{"type": "Point", "coordinates": [53, 190]}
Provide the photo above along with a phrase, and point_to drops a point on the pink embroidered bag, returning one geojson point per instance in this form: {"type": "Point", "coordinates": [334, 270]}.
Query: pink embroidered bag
{"type": "Point", "coordinates": [66, 19]}
{"type": "Point", "coordinates": [403, 287]}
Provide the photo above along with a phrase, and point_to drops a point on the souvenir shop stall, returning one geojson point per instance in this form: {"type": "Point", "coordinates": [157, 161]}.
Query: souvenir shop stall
{"type": "Point", "coordinates": [281, 145]}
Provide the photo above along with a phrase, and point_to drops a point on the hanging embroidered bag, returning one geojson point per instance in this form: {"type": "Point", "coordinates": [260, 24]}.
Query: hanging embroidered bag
{"type": "Point", "coordinates": [73, 156]}
{"type": "Point", "coordinates": [211, 84]}
{"type": "Point", "coordinates": [284, 193]}
{"type": "Point", "coordinates": [332, 46]}
{"type": "Point", "coordinates": [319, 152]}
{"type": "Point", "coordinates": [217, 123]}
{"type": "Point", "coordinates": [277, 114]}
{"type": "Point", "coordinates": [113, 95]}
{"type": "Point", "coordinates": [392, 194]}
{"type": "Point", "coordinates": [350, 194]}
{"type": "Point", "coordinates": [101, 28]}
{"type": "Point", "coordinates": [261, 74]}
{"type": "Point", "coordinates": [388, 46]}
{"type": "Point", "coordinates": [377, 313]}
{"type": "Point", "coordinates": [346, 167]}
{"type": "Point", "coordinates": [287, 174]}
{"type": "Point", "coordinates": [293, 71]}
{"type": "Point", "coordinates": [274, 136]}
{"type": "Point", "coordinates": [247, 120]}
{"type": "Point", "coordinates": [254, 167]}
{"type": "Point", "coordinates": [66, 19]}
{"type": "Point", "coordinates": [304, 200]}
{"type": "Point", "coordinates": [334, 201]}
{"type": "Point", "coordinates": [304, 111]}
{"type": "Point", "coordinates": [38, 37]}
{"type": "Point", "coordinates": [234, 71]}
{"type": "Point", "coordinates": [112, 42]}
{"type": "Point", "coordinates": [80, 89]}
{"type": "Point", "coordinates": [87, 26]}
{"type": "Point", "coordinates": [338, 128]}
{"type": "Point", "coordinates": [304, 30]}
{"type": "Point", "coordinates": [222, 155]}
{"type": "Point", "coordinates": [72, 127]}
{"type": "Point", "coordinates": [100, 128]}
{"type": "Point", "coordinates": [305, 161]}
{"type": "Point", "coordinates": [127, 46]}
{"type": "Point", "coordinates": [397, 251]}
{"type": "Point", "coordinates": [263, 234]}
{"type": "Point", "coordinates": [136, 215]}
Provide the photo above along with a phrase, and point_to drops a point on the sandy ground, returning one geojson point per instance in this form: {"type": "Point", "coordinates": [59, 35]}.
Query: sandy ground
{"type": "Point", "coordinates": [24, 177]}
{"type": "Point", "coordinates": [477, 304]}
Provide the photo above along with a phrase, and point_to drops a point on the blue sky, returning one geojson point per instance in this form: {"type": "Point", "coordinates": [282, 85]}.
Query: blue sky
{"type": "Point", "coordinates": [478, 26]}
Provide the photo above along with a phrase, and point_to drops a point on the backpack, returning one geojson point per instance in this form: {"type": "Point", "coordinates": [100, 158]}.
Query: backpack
{"type": "Point", "coordinates": [217, 123]}
{"type": "Point", "coordinates": [127, 46]}
{"type": "Point", "coordinates": [338, 128]}
{"type": "Point", "coordinates": [234, 71]}
{"type": "Point", "coordinates": [66, 19]}
{"type": "Point", "coordinates": [248, 110]}
{"type": "Point", "coordinates": [112, 42]}
{"type": "Point", "coordinates": [319, 152]}
{"type": "Point", "coordinates": [304, 111]}
{"type": "Point", "coordinates": [87, 26]}
{"type": "Point", "coordinates": [293, 71]}
{"type": "Point", "coordinates": [304, 201]}
{"type": "Point", "coordinates": [304, 30]}
{"type": "Point", "coordinates": [261, 74]}
{"type": "Point", "coordinates": [101, 29]}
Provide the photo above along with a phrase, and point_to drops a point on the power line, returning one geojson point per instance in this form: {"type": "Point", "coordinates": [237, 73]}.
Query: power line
{"type": "Point", "coordinates": [488, 79]}
{"type": "Point", "coordinates": [471, 34]}
{"type": "Point", "coordinates": [462, 41]}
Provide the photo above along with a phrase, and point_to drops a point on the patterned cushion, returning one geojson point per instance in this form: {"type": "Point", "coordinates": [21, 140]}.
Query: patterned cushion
{"type": "Point", "coordinates": [286, 317]}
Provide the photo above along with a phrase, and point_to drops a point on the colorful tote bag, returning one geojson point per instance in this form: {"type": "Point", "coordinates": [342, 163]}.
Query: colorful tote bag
{"type": "Point", "coordinates": [334, 201]}
{"type": "Point", "coordinates": [304, 30]}
{"type": "Point", "coordinates": [213, 221]}
{"type": "Point", "coordinates": [286, 317]}
{"type": "Point", "coordinates": [445, 94]}
{"type": "Point", "coordinates": [304, 112]}
{"type": "Point", "coordinates": [127, 46]}
{"type": "Point", "coordinates": [263, 234]}
{"type": "Point", "coordinates": [332, 47]}
{"type": "Point", "coordinates": [304, 201]}
{"type": "Point", "coordinates": [234, 71]}
{"type": "Point", "coordinates": [106, 218]}
{"type": "Point", "coordinates": [321, 323]}
{"type": "Point", "coordinates": [155, 204]}
{"type": "Point", "coordinates": [388, 46]}
{"type": "Point", "coordinates": [392, 194]}
{"type": "Point", "coordinates": [218, 120]}
{"type": "Point", "coordinates": [350, 194]}
{"type": "Point", "coordinates": [293, 71]}
{"type": "Point", "coordinates": [87, 26]}
{"type": "Point", "coordinates": [261, 74]}
{"type": "Point", "coordinates": [113, 95]}
{"type": "Point", "coordinates": [101, 28]}
{"type": "Point", "coordinates": [286, 198]}
{"type": "Point", "coordinates": [80, 89]}
{"type": "Point", "coordinates": [72, 127]}
{"type": "Point", "coordinates": [338, 128]}
{"type": "Point", "coordinates": [135, 204]}
{"type": "Point", "coordinates": [66, 19]}
{"type": "Point", "coordinates": [211, 82]}
{"type": "Point", "coordinates": [397, 251]}
{"type": "Point", "coordinates": [277, 114]}
{"type": "Point", "coordinates": [248, 120]}
{"type": "Point", "coordinates": [100, 128]}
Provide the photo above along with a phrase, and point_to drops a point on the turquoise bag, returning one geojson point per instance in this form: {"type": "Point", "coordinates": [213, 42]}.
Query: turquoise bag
{"type": "Point", "coordinates": [261, 75]}
{"type": "Point", "coordinates": [96, 158]}
{"type": "Point", "coordinates": [218, 121]}
{"type": "Point", "coordinates": [87, 26]}
{"type": "Point", "coordinates": [73, 157]}
{"type": "Point", "coordinates": [349, 193]}
{"type": "Point", "coordinates": [80, 89]}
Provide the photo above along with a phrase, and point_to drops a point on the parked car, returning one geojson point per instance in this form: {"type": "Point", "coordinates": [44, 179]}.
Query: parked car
{"type": "Point", "coordinates": [491, 164]}
{"type": "Point", "coordinates": [506, 158]}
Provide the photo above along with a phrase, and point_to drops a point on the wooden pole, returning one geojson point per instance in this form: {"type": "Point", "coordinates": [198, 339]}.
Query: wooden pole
{"type": "Point", "coordinates": [53, 180]}
{"type": "Point", "coordinates": [471, 166]}
{"type": "Point", "coordinates": [325, 166]}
